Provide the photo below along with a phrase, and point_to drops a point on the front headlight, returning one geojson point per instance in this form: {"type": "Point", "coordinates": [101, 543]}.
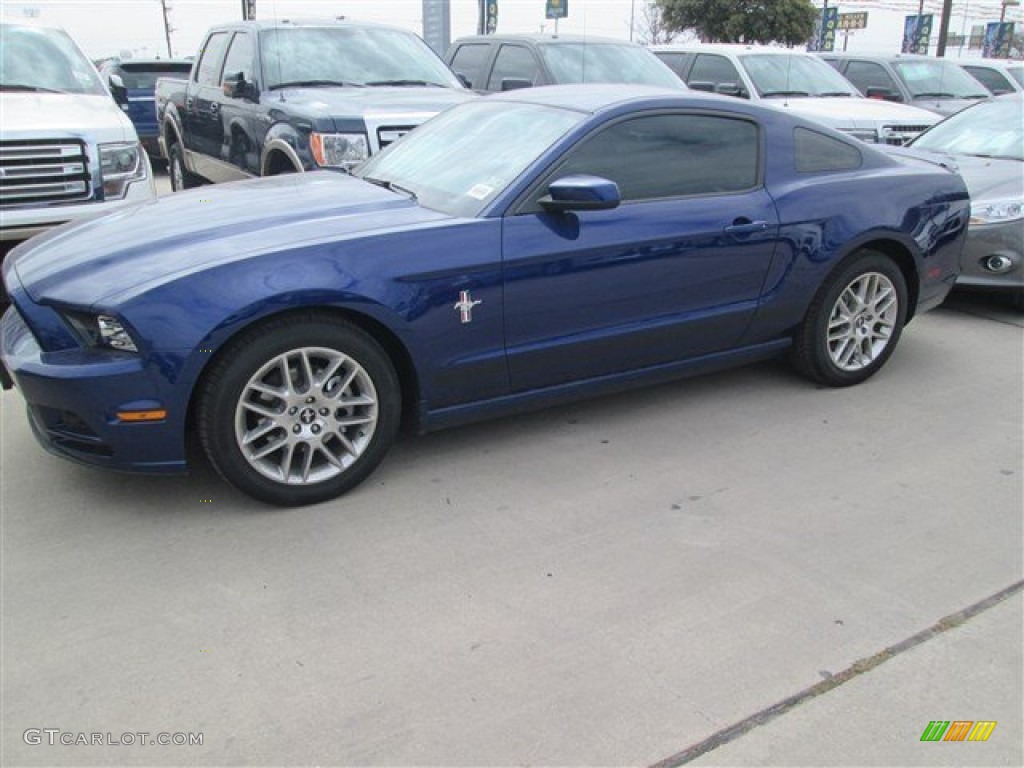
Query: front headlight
{"type": "Point", "coordinates": [339, 150]}
{"type": "Point", "coordinates": [98, 330]}
{"type": "Point", "coordinates": [996, 211]}
{"type": "Point", "coordinates": [120, 165]}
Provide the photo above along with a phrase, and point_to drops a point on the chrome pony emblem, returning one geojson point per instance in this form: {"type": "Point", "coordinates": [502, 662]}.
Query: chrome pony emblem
{"type": "Point", "coordinates": [465, 306]}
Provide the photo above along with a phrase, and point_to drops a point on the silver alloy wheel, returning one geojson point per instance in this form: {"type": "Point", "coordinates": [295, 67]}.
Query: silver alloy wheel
{"type": "Point", "coordinates": [862, 321]}
{"type": "Point", "coordinates": [306, 416]}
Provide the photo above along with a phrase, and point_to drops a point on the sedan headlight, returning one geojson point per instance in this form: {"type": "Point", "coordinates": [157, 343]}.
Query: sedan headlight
{"type": "Point", "coordinates": [103, 331]}
{"type": "Point", "coordinates": [120, 165]}
{"type": "Point", "coordinates": [339, 150]}
{"type": "Point", "coordinates": [996, 211]}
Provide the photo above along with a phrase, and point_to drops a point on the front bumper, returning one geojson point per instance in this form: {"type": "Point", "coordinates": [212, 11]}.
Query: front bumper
{"type": "Point", "coordinates": [985, 241]}
{"type": "Point", "coordinates": [74, 396]}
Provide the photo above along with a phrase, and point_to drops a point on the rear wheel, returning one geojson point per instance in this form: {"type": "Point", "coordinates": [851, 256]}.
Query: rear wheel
{"type": "Point", "coordinates": [854, 322]}
{"type": "Point", "coordinates": [299, 410]}
{"type": "Point", "coordinates": [180, 177]}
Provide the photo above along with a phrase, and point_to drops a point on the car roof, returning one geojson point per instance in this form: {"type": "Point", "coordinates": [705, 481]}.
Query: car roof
{"type": "Point", "coordinates": [994, 63]}
{"type": "Point", "coordinates": [540, 39]}
{"type": "Point", "coordinates": [882, 56]}
{"type": "Point", "coordinates": [285, 23]}
{"type": "Point", "coordinates": [734, 48]}
{"type": "Point", "coordinates": [596, 97]}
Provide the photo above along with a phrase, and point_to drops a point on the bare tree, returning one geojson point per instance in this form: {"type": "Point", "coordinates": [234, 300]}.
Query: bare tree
{"type": "Point", "coordinates": [650, 28]}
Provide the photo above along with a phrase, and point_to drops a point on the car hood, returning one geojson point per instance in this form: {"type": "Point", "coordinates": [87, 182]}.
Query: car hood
{"type": "Point", "coordinates": [99, 261]}
{"type": "Point", "coordinates": [382, 102]}
{"type": "Point", "coordinates": [94, 119]}
{"type": "Point", "coordinates": [856, 112]}
{"type": "Point", "coordinates": [991, 178]}
{"type": "Point", "coordinates": [944, 107]}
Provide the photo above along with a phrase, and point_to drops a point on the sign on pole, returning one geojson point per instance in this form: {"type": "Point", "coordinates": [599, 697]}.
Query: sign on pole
{"type": "Point", "coordinates": [491, 23]}
{"type": "Point", "coordinates": [849, 21]}
{"type": "Point", "coordinates": [556, 9]}
{"type": "Point", "coordinates": [248, 10]}
{"type": "Point", "coordinates": [917, 31]}
{"type": "Point", "coordinates": [437, 25]}
{"type": "Point", "coordinates": [829, 22]}
{"type": "Point", "coordinates": [998, 36]}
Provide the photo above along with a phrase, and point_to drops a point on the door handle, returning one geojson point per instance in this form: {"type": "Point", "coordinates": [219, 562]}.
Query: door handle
{"type": "Point", "coordinates": [214, 107]}
{"type": "Point", "coordinates": [745, 227]}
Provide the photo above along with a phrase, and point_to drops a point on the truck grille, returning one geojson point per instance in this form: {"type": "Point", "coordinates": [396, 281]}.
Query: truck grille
{"type": "Point", "coordinates": [391, 134]}
{"type": "Point", "coordinates": [898, 135]}
{"type": "Point", "coordinates": [43, 171]}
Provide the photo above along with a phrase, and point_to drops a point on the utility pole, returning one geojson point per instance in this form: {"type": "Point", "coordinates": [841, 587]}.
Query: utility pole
{"type": "Point", "coordinates": [947, 11]}
{"type": "Point", "coordinates": [167, 28]}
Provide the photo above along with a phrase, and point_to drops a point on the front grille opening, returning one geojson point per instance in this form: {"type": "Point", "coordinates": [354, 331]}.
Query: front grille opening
{"type": "Point", "coordinates": [43, 171]}
{"type": "Point", "coordinates": [68, 431]}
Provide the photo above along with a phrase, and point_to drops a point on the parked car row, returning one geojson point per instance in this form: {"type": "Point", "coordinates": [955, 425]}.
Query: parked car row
{"type": "Point", "coordinates": [514, 251]}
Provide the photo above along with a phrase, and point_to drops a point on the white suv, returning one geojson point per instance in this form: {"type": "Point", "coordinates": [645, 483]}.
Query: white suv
{"type": "Point", "coordinates": [798, 81]}
{"type": "Point", "coordinates": [67, 150]}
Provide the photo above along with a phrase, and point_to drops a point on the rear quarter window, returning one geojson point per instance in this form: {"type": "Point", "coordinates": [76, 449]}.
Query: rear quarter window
{"type": "Point", "coordinates": [816, 153]}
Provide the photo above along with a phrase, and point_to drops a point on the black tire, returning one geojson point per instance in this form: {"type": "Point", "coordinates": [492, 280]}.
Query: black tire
{"type": "Point", "coordinates": [340, 398]}
{"type": "Point", "coordinates": [864, 334]}
{"type": "Point", "coordinates": [180, 177]}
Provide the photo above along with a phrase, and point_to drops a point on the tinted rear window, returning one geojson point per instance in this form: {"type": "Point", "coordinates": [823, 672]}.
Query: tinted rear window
{"type": "Point", "coordinates": [145, 75]}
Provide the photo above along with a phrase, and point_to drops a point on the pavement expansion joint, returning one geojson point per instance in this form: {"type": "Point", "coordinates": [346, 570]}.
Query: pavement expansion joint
{"type": "Point", "coordinates": [859, 667]}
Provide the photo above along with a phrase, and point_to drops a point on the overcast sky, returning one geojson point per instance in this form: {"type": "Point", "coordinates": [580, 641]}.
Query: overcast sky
{"type": "Point", "coordinates": [109, 27]}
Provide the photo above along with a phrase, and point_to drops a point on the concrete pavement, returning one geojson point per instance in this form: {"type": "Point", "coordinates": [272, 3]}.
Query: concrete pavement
{"type": "Point", "coordinates": [607, 583]}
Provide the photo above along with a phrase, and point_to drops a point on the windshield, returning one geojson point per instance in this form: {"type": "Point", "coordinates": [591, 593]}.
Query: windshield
{"type": "Point", "coordinates": [991, 129]}
{"type": "Point", "coordinates": [44, 60]}
{"type": "Point", "coordinates": [350, 55]}
{"type": "Point", "coordinates": [1017, 73]}
{"type": "Point", "coordinates": [494, 141]}
{"type": "Point", "coordinates": [779, 75]}
{"type": "Point", "coordinates": [138, 75]}
{"type": "Point", "coordinates": [606, 63]}
{"type": "Point", "coordinates": [934, 78]}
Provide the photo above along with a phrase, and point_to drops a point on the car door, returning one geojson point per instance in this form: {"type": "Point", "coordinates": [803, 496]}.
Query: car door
{"type": "Point", "coordinates": [674, 272]}
{"type": "Point", "coordinates": [715, 73]}
{"type": "Point", "coordinates": [201, 121]}
{"type": "Point", "coordinates": [869, 76]}
{"type": "Point", "coordinates": [239, 113]}
{"type": "Point", "coordinates": [515, 66]}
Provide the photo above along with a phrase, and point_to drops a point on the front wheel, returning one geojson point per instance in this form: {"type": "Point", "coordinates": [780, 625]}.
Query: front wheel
{"type": "Point", "coordinates": [180, 177]}
{"type": "Point", "coordinates": [854, 322]}
{"type": "Point", "coordinates": [299, 410]}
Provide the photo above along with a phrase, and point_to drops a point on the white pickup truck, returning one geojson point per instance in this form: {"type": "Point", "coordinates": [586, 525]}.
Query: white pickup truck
{"type": "Point", "coordinates": [797, 81]}
{"type": "Point", "coordinates": [67, 150]}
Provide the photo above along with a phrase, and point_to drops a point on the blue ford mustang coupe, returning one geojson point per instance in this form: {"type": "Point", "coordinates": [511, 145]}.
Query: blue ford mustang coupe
{"type": "Point", "coordinates": [514, 252]}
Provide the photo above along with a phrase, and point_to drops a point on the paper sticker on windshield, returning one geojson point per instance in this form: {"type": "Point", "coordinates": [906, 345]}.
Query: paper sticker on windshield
{"type": "Point", "coordinates": [480, 191]}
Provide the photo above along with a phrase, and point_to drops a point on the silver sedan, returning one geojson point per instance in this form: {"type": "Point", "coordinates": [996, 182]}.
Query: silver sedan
{"type": "Point", "coordinates": [986, 142]}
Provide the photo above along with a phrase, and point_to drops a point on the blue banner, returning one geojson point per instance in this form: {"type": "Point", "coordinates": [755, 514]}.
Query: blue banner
{"type": "Point", "coordinates": [556, 9]}
{"type": "Point", "coordinates": [998, 37]}
{"type": "Point", "coordinates": [917, 32]}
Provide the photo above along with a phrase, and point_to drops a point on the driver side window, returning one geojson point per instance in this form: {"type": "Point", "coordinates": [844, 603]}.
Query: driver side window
{"type": "Point", "coordinates": [665, 156]}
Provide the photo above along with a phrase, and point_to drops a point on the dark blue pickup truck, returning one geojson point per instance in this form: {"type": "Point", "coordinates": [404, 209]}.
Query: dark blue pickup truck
{"type": "Point", "coordinates": [132, 82]}
{"type": "Point", "coordinates": [273, 97]}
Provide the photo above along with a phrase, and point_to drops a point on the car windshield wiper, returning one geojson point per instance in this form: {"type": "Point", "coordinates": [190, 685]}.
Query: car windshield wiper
{"type": "Point", "coordinates": [834, 93]}
{"type": "Point", "coordinates": [935, 95]}
{"type": "Point", "coordinates": [775, 94]}
{"type": "Point", "coordinates": [314, 84]}
{"type": "Point", "coordinates": [391, 186]}
{"type": "Point", "coordinates": [404, 82]}
{"type": "Point", "coordinates": [31, 88]}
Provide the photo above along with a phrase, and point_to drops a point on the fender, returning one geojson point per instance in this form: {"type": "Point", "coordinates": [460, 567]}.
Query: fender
{"type": "Point", "coordinates": [170, 127]}
{"type": "Point", "coordinates": [285, 139]}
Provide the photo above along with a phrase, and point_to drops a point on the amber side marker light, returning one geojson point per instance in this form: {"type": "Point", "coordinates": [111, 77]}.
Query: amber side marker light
{"type": "Point", "coordinates": [158, 415]}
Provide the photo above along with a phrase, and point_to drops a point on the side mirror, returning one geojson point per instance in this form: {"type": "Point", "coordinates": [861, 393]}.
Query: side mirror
{"type": "Point", "coordinates": [464, 80]}
{"type": "Point", "coordinates": [118, 91]}
{"type": "Point", "coordinates": [236, 87]}
{"type": "Point", "coordinates": [515, 83]}
{"type": "Point", "coordinates": [701, 85]}
{"type": "Point", "coordinates": [878, 92]}
{"type": "Point", "coordinates": [581, 193]}
{"type": "Point", "coordinates": [730, 89]}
